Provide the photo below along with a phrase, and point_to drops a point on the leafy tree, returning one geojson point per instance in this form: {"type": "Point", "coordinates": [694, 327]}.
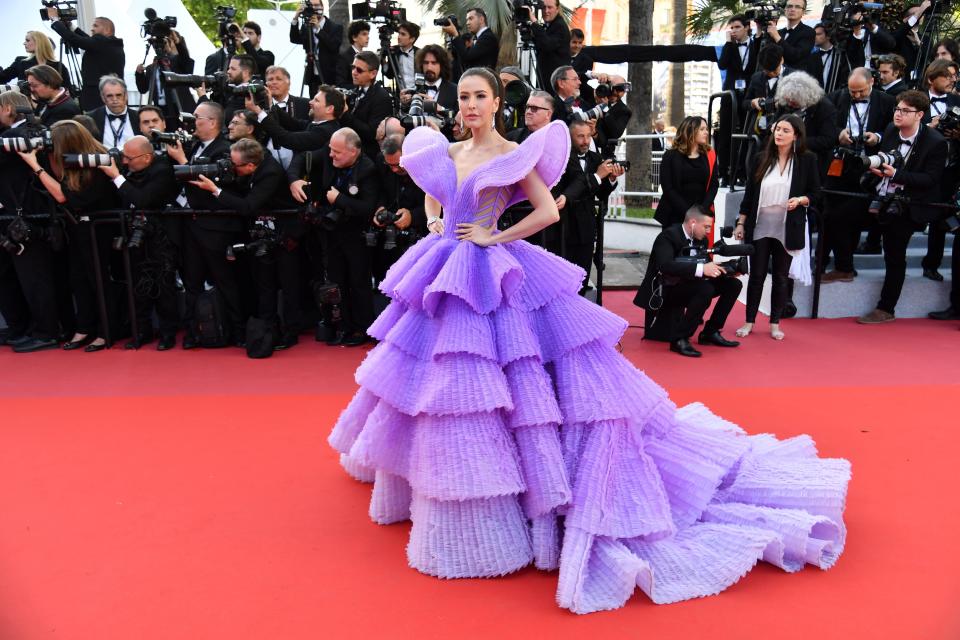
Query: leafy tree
{"type": "Point", "coordinates": [204, 12]}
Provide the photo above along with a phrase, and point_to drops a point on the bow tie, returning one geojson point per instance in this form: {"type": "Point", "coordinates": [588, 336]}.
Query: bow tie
{"type": "Point", "coordinates": [939, 99]}
{"type": "Point", "coordinates": [581, 156]}
{"type": "Point", "coordinates": [906, 142]}
{"type": "Point", "coordinates": [122, 116]}
{"type": "Point", "coordinates": [859, 101]}
{"type": "Point", "coordinates": [825, 52]}
{"type": "Point", "coordinates": [742, 44]}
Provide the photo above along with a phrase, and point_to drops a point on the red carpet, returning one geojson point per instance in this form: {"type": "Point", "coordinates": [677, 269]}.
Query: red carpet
{"type": "Point", "coordinates": [192, 495]}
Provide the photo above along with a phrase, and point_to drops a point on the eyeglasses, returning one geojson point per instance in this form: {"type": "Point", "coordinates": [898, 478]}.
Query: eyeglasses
{"type": "Point", "coordinates": [533, 108]}
{"type": "Point", "coordinates": [899, 110]}
{"type": "Point", "coordinates": [359, 69]}
{"type": "Point", "coordinates": [132, 158]}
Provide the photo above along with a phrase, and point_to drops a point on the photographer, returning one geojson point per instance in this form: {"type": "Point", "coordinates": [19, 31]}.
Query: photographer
{"type": "Point", "coordinates": [103, 54]}
{"type": "Point", "coordinates": [148, 184]}
{"type": "Point", "coordinates": [401, 195]}
{"type": "Point", "coordinates": [566, 86]}
{"type": "Point", "coordinates": [551, 39]}
{"type": "Point", "coordinates": [773, 216]}
{"type": "Point", "coordinates": [249, 41]}
{"type": "Point", "coordinates": [868, 38]}
{"type": "Point", "coordinates": [763, 83]}
{"type": "Point", "coordinates": [828, 64]}
{"type": "Point", "coordinates": [115, 120]}
{"type": "Point", "coordinates": [321, 39]}
{"type": "Point", "coordinates": [206, 237]}
{"type": "Point", "coordinates": [587, 178]}
{"type": "Point", "coordinates": [373, 102]}
{"type": "Point", "coordinates": [940, 79]}
{"type": "Point", "coordinates": [151, 119]}
{"type": "Point", "coordinates": [801, 94]}
{"type": "Point", "coordinates": [243, 125]}
{"type": "Point", "coordinates": [152, 86]}
{"type": "Point", "coordinates": [358, 32]}
{"type": "Point", "coordinates": [796, 39]}
{"type": "Point", "coordinates": [404, 55]}
{"type": "Point", "coordinates": [615, 120]}
{"type": "Point", "coordinates": [485, 49]}
{"type": "Point", "coordinates": [326, 108]}
{"type": "Point", "coordinates": [581, 62]}
{"type": "Point", "coordinates": [278, 84]}
{"type": "Point", "coordinates": [83, 191]}
{"type": "Point", "coordinates": [688, 174]}
{"type": "Point", "coordinates": [914, 178]}
{"type": "Point", "coordinates": [891, 68]}
{"type": "Point", "coordinates": [738, 59]}
{"type": "Point", "coordinates": [53, 100]}
{"type": "Point", "coordinates": [28, 299]}
{"type": "Point", "coordinates": [536, 115]}
{"type": "Point", "coordinates": [240, 70]}
{"type": "Point", "coordinates": [344, 187]}
{"type": "Point", "coordinates": [433, 62]}
{"type": "Point", "coordinates": [688, 285]}
{"type": "Point", "coordinates": [40, 51]}
{"type": "Point", "coordinates": [863, 112]}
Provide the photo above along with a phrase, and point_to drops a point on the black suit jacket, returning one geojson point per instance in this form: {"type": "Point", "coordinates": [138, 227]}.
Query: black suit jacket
{"type": "Point", "coordinates": [953, 100]}
{"type": "Point", "coordinates": [200, 199]}
{"type": "Point", "coordinates": [483, 53]}
{"type": "Point", "coordinates": [343, 73]}
{"type": "Point", "coordinates": [759, 87]}
{"type": "Point", "coordinates": [182, 63]}
{"type": "Point", "coordinates": [669, 245]}
{"type": "Point", "coordinates": [880, 42]}
{"type": "Point", "coordinates": [216, 61]}
{"type": "Point", "coordinates": [297, 108]}
{"type": "Point", "coordinates": [582, 63]}
{"type": "Point", "coordinates": [154, 188]}
{"type": "Point", "coordinates": [852, 60]}
{"type": "Point", "coordinates": [62, 110]}
{"type": "Point", "coordinates": [730, 62]}
{"type": "Point", "coordinates": [673, 207]}
{"type": "Point", "coordinates": [18, 186]}
{"type": "Point", "coordinates": [251, 196]}
{"type": "Point", "coordinates": [99, 116]}
{"type": "Point", "coordinates": [553, 47]}
{"type": "Point", "coordinates": [922, 172]}
{"type": "Point", "coordinates": [357, 209]}
{"type": "Point", "coordinates": [18, 70]}
{"type": "Point", "coordinates": [102, 56]}
{"type": "Point", "coordinates": [328, 42]}
{"type": "Point", "coordinates": [904, 46]}
{"type": "Point", "coordinates": [447, 96]}
{"type": "Point", "coordinates": [296, 136]}
{"type": "Point", "coordinates": [367, 114]}
{"type": "Point", "coordinates": [804, 182]}
{"type": "Point", "coordinates": [879, 111]}
{"type": "Point", "coordinates": [798, 45]}
{"type": "Point", "coordinates": [582, 189]}
{"type": "Point", "coordinates": [897, 88]}
{"type": "Point", "coordinates": [263, 57]}
{"type": "Point", "coordinates": [614, 121]}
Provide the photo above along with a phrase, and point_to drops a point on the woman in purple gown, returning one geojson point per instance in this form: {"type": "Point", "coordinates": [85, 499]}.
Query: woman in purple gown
{"type": "Point", "coordinates": [497, 415]}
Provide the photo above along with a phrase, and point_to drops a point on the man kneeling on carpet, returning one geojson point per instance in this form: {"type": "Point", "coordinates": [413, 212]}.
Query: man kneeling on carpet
{"type": "Point", "coordinates": [680, 277]}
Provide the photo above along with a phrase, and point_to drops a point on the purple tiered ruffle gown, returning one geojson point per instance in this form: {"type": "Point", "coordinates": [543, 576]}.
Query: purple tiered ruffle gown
{"type": "Point", "coordinates": [497, 415]}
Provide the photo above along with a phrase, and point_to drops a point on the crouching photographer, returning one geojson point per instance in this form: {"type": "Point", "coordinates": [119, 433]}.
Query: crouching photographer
{"type": "Point", "coordinates": [343, 188]}
{"type": "Point", "coordinates": [400, 219]}
{"type": "Point", "coordinates": [907, 174]}
{"type": "Point", "coordinates": [681, 281]}
{"type": "Point", "coordinates": [27, 295]}
{"type": "Point", "coordinates": [773, 216]}
{"type": "Point", "coordinates": [147, 184]}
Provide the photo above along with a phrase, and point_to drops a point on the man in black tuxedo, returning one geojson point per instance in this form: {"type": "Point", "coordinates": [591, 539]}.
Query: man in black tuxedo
{"type": "Point", "coordinates": [149, 184]}
{"type": "Point", "coordinates": [537, 115]}
{"type": "Point", "coordinates": [891, 69]}
{"type": "Point", "coordinates": [241, 69]}
{"type": "Point", "coordinates": [404, 55]}
{"type": "Point", "coordinates": [277, 80]}
{"type": "Point", "coordinates": [400, 194]}
{"type": "Point", "coordinates": [940, 79]}
{"type": "Point", "coordinates": [250, 43]}
{"type": "Point", "coordinates": [614, 121]}
{"type": "Point", "coordinates": [763, 83]}
{"type": "Point", "coordinates": [551, 40]}
{"type": "Point", "coordinates": [582, 62]}
{"type": "Point", "coordinates": [28, 299]}
{"type": "Point", "coordinates": [358, 33]}
{"type": "Point", "coordinates": [673, 283]}
{"type": "Point", "coordinates": [344, 186]}
{"type": "Point", "coordinates": [586, 179]}
{"type": "Point", "coordinates": [297, 135]}
{"type": "Point", "coordinates": [103, 54]}
{"type": "Point", "coordinates": [829, 64]}
{"type": "Point", "coordinates": [152, 86]}
{"type": "Point", "coordinates": [907, 35]}
{"type": "Point", "coordinates": [321, 39]}
{"type": "Point", "coordinates": [373, 102]}
{"type": "Point", "coordinates": [485, 49]}
{"type": "Point", "coordinates": [796, 38]}
{"type": "Point", "coordinates": [206, 238]}
{"type": "Point", "coordinates": [863, 113]}
{"type": "Point", "coordinates": [925, 153]}
{"type": "Point", "coordinates": [433, 62]}
{"type": "Point", "coordinates": [738, 59]}
{"type": "Point", "coordinates": [660, 142]}
{"type": "Point", "coordinates": [115, 120]}
{"type": "Point", "coordinates": [869, 39]}
{"type": "Point", "coordinates": [53, 100]}
{"type": "Point", "coordinates": [565, 84]}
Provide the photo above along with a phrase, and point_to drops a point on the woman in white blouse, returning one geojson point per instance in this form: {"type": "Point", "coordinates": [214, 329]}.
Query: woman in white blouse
{"type": "Point", "coordinates": [773, 215]}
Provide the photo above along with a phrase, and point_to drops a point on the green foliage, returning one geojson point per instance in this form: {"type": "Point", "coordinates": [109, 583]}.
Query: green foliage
{"type": "Point", "coordinates": [709, 14]}
{"type": "Point", "coordinates": [203, 12]}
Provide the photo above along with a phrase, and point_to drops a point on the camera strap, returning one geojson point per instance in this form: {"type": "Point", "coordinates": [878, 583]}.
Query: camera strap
{"type": "Point", "coordinates": [860, 120]}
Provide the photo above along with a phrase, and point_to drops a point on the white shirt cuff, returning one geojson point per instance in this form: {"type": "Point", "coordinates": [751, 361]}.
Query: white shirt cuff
{"type": "Point", "coordinates": [118, 181]}
{"type": "Point", "coordinates": [216, 194]}
{"type": "Point", "coordinates": [699, 269]}
{"type": "Point", "coordinates": [262, 115]}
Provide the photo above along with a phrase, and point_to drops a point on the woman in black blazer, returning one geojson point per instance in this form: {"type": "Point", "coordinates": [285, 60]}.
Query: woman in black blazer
{"type": "Point", "coordinates": [39, 51]}
{"type": "Point", "coordinates": [688, 173]}
{"type": "Point", "coordinates": [780, 185]}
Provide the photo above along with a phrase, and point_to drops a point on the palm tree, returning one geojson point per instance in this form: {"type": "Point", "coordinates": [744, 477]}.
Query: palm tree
{"type": "Point", "coordinates": [640, 75]}
{"type": "Point", "coordinates": [339, 11]}
{"type": "Point", "coordinates": [709, 14]}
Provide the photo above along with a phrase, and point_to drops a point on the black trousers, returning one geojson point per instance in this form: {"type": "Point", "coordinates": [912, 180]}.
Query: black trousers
{"type": "Point", "coordinates": [955, 273]}
{"type": "Point", "coordinates": [896, 236]}
{"type": "Point", "coordinates": [767, 248]}
{"type": "Point", "coordinates": [154, 268]}
{"type": "Point", "coordinates": [28, 299]}
{"type": "Point", "coordinates": [348, 266]}
{"type": "Point", "coordinates": [844, 219]}
{"type": "Point", "coordinates": [278, 271]}
{"type": "Point", "coordinates": [83, 277]}
{"type": "Point", "coordinates": [694, 296]}
{"type": "Point", "coordinates": [937, 233]}
{"type": "Point", "coordinates": [204, 257]}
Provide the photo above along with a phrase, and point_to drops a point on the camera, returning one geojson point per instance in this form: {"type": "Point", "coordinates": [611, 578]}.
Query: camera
{"type": "Point", "coordinates": [325, 215]}
{"type": "Point", "coordinates": [764, 11]}
{"type": "Point", "coordinates": [516, 93]}
{"type": "Point", "coordinates": [609, 152]}
{"type": "Point", "coordinates": [12, 145]}
{"type": "Point", "coordinates": [388, 11]}
{"type": "Point", "coordinates": [349, 97]}
{"type": "Point", "coordinates": [392, 236]}
{"type": "Point", "coordinates": [888, 208]}
{"type": "Point", "coordinates": [220, 171]}
{"type": "Point", "coordinates": [594, 113]}
{"type": "Point", "coordinates": [949, 120]}
{"type": "Point", "coordinates": [224, 15]}
{"type": "Point", "coordinates": [446, 21]}
{"type": "Point", "coordinates": [66, 9]}
{"type": "Point", "coordinates": [739, 252]}
{"type": "Point", "coordinates": [421, 111]}
{"type": "Point", "coordinates": [156, 30]}
{"type": "Point", "coordinates": [263, 239]}
{"type": "Point", "coordinates": [21, 233]}
{"type": "Point", "coordinates": [139, 228]}
{"type": "Point", "coordinates": [171, 137]}
{"type": "Point", "coordinates": [307, 11]}
{"type": "Point", "coordinates": [214, 82]}
{"type": "Point", "coordinates": [91, 160]}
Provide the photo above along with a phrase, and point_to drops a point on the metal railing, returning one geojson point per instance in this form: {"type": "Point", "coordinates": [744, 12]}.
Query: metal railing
{"type": "Point", "coordinates": [616, 209]}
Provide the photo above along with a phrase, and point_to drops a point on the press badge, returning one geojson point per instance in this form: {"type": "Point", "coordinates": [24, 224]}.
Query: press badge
{"type": "Point", "coordinates": [740, 84]}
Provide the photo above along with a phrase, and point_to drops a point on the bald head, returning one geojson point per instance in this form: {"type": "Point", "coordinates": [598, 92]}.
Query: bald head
{"type": "Point", "coordinates": [137, 153]}
{"type": "Point", "coordinates": [344, 148]}
{"type": "Point", "coordinates": [860, 83]}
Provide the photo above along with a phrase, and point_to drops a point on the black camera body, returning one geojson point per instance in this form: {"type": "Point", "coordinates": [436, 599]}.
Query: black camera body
{"type": "Point", "coordinates": [263, 240]}
{"type": "Point", "coordinates": [140, 228]}
{"type": "Point", "coordinates": [67, 9]}
{"type": "Point", "coordinates": [522, 17]}
{"type": "Point", "coordinates": [949, 120]}
{"type": "Point", "coordinates": [155, 30]}
{"type": "Point", "coordinates": [888, 208]}
{"type": "Point", "coordinates": [731, 268]}
{"type": "Point", "coordinates": [446, 21]}
{"type": "Point", "coordinates": [170, 137]}
{"type": "Point", "coordinates": [609, 152]}
{"type": "Point", "coordinates": [422, 111]}
{"type": "Point", "coordinates": [21, 233]}
{"type": "Point", "coordinates": [391, 235]}
{"type": "Point", "coordinates": [325, 215]}
{"type": "Point", "coordinates": [380, 11]}
{"type": "Point", "coordinates": [220, 171]}
{"type": "Point", "coordinates": [764, 11]}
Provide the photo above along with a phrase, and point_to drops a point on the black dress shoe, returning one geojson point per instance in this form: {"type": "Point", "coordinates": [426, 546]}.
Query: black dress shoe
{"type": "Point", "coordinates": [166, 343]}
{"type": "Point", "coordinates": [36, 344]}
{"type": "Point", "coordinates": [14, 342]}
{"type": "Point", "coordinates": [684, 348]}
{"type": "Point", "coordinates": [716, 339]}
{"type": "Point", "coordinates": [947, 314]}
{"type": "Point", "coordinates": [286, 342]}
{"type": "Point", "coordinates": [136, 344]}
{"type": "Point", "coordinates": [355, 339]}
{"type": "Point", "coordinates": [335, 338]}
{"type": "Point", "coordinates": [789, 310]}
{"type": "Point", "coordinates": [93, 348]}
{"type": "Point", "coordinates": [868, 249]}
{"type": "Point", "coordinates": [932, 274]}
{"type": "Point", "coordinates": [79, 344]}
{"type": "Point", "coordinates": [190, 342]}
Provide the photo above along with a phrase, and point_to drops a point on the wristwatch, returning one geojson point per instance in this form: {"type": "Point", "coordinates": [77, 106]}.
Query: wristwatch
{"type": "Point", "coordinates": [431, 220]}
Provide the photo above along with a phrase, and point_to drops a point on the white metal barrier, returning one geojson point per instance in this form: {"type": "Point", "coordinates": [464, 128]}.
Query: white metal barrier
{"type": "Point", "coordinates": [616, 209]}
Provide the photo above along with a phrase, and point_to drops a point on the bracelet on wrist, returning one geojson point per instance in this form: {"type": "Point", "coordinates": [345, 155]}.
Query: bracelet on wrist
{"type": "Point", "coordinates": [38, 171]}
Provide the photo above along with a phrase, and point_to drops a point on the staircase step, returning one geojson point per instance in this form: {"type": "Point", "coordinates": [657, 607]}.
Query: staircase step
{"type": "Point", "coordinates": [852, 299]}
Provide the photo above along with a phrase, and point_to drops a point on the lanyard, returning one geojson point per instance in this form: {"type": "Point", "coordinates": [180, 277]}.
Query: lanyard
{"type": "Point", "coordinates": [116, 130]}
{"type": "Point", "coordinates": [861, 120]}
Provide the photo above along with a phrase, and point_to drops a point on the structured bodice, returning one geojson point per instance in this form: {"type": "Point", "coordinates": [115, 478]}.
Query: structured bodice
{"type": "Point", "coordinates": [491, 187]}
